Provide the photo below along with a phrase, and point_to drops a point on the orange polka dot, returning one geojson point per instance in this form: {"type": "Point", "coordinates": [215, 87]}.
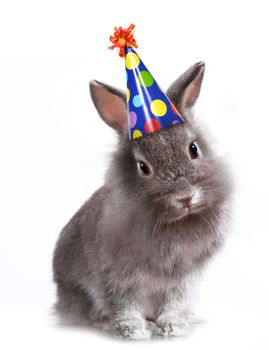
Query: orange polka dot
{"type": "Point", "coordinates": [174, 109]}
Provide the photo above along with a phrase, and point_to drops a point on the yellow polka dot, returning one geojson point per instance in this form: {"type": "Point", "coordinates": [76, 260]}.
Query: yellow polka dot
{"type": "Point", "coordinates": [131, 60]}
{"type": "Point", "coordinates": [137, 134]}
{"type": "Point", "coordinates": [128, 94]}
{"type": "Point", "coordinates": [158, 108]}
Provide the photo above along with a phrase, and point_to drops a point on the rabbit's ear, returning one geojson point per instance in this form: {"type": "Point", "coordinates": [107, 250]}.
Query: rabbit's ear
{"type": "Point", "coordinates": [186, 89]}
{"type": "Point", "coordinates": [110, 104]}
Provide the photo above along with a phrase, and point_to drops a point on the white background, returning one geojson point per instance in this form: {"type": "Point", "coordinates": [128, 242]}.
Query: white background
{"type": "Point", "coordinates": [54, 150]}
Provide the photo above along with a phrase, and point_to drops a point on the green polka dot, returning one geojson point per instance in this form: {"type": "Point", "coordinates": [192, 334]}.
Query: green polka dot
{"type": "Point", "coordinates": [145, 78]}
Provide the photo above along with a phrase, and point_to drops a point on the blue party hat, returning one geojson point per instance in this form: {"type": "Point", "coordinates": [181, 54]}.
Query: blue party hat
{"type": "Point", "coordinates": [149, 109]}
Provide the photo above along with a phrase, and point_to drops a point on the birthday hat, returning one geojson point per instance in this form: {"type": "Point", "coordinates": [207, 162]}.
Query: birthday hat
{"type": "Point", "coordinates": [149, 109]}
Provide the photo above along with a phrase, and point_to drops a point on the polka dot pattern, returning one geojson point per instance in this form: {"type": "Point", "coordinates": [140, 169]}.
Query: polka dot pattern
{"type": "Point", "coordinates": [132, 119]}
{"type": "Point", "coordinates": [145, 78]}
{"type": "Point", "coordinates": [128, 94]}
{"type": "Point", "coordinates": [149, 108]}
{"type": "Point", "coordinates": [137, 101]}
{"type": "Point", "coordinates": [174, 109]}
{"type": "Point", "coordinates": [158, 108]}
{"type": "Point", "coordinates": [137, 134]}
{"type": "Point", "coordinates": [131, 60]}
{"type": "Point", "coordinates": [152, 125]}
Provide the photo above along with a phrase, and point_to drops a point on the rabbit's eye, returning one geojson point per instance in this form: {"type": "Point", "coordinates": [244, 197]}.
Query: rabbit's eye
{"type": "Point", "coordinates": [193, 150]}
{"type": "Point", "coordinates": [143, 168]}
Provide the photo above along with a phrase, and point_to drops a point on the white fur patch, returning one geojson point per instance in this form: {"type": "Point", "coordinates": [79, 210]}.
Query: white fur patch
{"type": "Point", "coordinates": [131, 325]}
{"type": "Point", "coordinates": [179, 204]}
{"type": "Point", "coordinates": [196, 197]}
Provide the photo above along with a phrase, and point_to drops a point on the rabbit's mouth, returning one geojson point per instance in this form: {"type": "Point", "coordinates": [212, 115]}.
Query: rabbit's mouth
{"type": "Point", "coordinates": [188, 210]}
{"type": "Point", "coordinates": [184, 204]}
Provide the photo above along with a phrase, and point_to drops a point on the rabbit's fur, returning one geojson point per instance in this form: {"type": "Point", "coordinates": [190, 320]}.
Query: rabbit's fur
{"type": "Point", "coordinates": [126, 255]}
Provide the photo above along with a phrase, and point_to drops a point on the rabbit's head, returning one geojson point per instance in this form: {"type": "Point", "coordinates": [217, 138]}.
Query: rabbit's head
{"type": "Point", "coordinates": [174, 172]}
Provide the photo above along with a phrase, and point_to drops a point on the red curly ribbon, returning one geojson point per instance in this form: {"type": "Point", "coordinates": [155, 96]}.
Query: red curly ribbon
{"type": "Point", "coordinates": [122, 38]}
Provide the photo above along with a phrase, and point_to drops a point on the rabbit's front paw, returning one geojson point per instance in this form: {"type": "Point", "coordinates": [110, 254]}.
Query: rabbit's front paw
{"type": "Point", "coordinates": [172, 327]}
{"type": "Point", "coordinates": [133, 329]}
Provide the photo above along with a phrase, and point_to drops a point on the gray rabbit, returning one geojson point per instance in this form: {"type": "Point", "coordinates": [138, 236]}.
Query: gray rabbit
{"type": "Point", "coordinates": [126, 256]}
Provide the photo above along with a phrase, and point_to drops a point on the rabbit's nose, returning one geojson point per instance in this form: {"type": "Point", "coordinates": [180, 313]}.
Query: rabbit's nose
{"type": "Point", "coordinates": [182, 202]}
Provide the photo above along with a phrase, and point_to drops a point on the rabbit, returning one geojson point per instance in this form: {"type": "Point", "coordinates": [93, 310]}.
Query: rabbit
{"type": "Point", "coordinates": [125, 258]}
